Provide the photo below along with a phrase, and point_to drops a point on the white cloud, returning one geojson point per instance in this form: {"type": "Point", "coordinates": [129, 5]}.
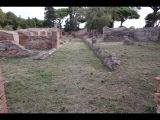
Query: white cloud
{"type": "Point", "coordinates": [38, 12]}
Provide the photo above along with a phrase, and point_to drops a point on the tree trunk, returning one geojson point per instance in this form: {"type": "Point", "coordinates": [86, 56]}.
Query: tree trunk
{"type": "Point", "coordinates": [121, 23]}
{"type": "Point", "coordinates": [111, 24]}
{"type": "Point", "coordinates": [154, 18]}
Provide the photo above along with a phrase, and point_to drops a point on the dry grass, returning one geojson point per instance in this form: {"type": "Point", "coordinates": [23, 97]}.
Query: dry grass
{"type": "Point", "coordinates": [73, 80]}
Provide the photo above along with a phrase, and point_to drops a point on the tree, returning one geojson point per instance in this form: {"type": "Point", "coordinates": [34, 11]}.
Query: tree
{"type": "Point", "coordinates": [98, 17]}
{"type": "Point", "coordinates": [60, 14]}
{"type": "Point", "coordinates": [22, 23]}
{"type": "Point", "coordinates": [2, 18]}
{"type": "Point", "coordinates": [155, 10]}
{"type": "Point", "coordinates": [80, 20]}
{"type": "Point", "coordinates": [49, 16]}
{"type": "Point", "coordinates": [127, 13]}
{"type": "Point", "coordinates": [11, 19]}
{"type": "Point", "coordinates": [149, 19]}
{"type": "Point", "coordinates": [31, 23]}
{"type": "Point", "coordinates": [72, 23]}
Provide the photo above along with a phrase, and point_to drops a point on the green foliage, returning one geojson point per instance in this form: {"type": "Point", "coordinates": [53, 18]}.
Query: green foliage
{"type": "Point", "coordinates": [68, 26]}
{"type": "Point", "coordinates": [22, 23]}
{"type": "Point", "coordinates": [81, 19]}
{"type": "Point", "coordinates": [0, 27]}
{"type": "Point", "coordinates": [11, 19]}
{"type": "Point", "coordinates": [132, 27]}
{"type": "Point", "coordinates": [8, 27]}
{"type": "Point", "coordinates": [98, 17]}
{"type": "Point", "coordinates": [72, 23]}
{"type": "Point", "coordinates": [149, 19]}
{"type": "Point", "coordinates": [150, 107]}
{"type": "Point", "coordinates": [31, 22]}
{"type": "Point", "coordinates": [49, 16]}
{"type": "Point", "coordinates": [60, 14]}
{"type": "Point", "coordinates": [2, 17]}
{"type": "Point", "coordinates": [155, 10]}
{"type": "Point", "coordinates": [19, 27]}
{"type": "Point", "coordinates": [127, 13]}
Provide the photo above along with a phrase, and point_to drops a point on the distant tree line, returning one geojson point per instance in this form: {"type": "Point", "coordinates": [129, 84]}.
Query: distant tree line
{"type": "Point", "coordinates": [9, 21]}
{"type": "Point", "coordinates": [94, 17]}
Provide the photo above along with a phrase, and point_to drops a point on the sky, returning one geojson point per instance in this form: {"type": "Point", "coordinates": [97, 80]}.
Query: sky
{"type": "Point", "coordinates": [38, 12]}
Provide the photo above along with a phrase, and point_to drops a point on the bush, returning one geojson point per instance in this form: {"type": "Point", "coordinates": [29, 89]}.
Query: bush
{"type": "Point", "coordinates": [132, 27]}
{"type": "Point", "coordinates": [0, 27]}
{"type": "Point", "coordinates": [19, 27]}
{"type": "Point", "coordinates": [8, 27]}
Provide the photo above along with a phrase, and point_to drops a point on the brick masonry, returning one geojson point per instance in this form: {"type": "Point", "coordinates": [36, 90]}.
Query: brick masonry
{"type": "Point", "coordinates": [142, 34]}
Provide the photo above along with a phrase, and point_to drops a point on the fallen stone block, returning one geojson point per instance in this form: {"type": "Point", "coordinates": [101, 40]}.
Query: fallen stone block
{"type": "Point", "coordinates": [52, 50]}
{"type": "Point", "coordinates": [61, 42]}
{"type": "Point", "coordinates": [11, 48]}
{"type": "Point", "coordinates": [42, 55]}
{"type": "Point", "coordinates": [128, 42]}
{"type": "Point", "coordinates": [111, 60]}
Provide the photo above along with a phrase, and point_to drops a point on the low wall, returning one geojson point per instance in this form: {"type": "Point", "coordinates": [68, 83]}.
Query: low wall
{"type": "Point", "coordinates": [79, 33]}
{"type": "Point", "coordinates": [11, 48]}
{"type": "Point", "coordinates": [43, 42]}
{"type": "Point", "coordinates": [143, 34]}
{"type": "Point", "coordinates": [9, 35]}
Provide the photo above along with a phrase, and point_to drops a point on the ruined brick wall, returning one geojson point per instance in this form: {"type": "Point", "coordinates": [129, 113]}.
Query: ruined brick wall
{"type": "Point", "coordinates": [9, 35]}
{"type": "Point", "coordinates": [11, 48]}
{"type": "Point", "coordinates": [3, 104]}
{"type": "Point", "coordinates": [38, 38]}
{"type": "Point", "coordinates": [116, 34]}
{"type": "Point", "coordinates": [23, 36]}
{"type": "Point", "coordinates": [142, 34]}
{"type": "Point", "coordinates": [55, 39]}
{"type": "Point", "coordinates": [38, 42]}
{"type": "Point", "coordinates": [79, 33]}
{"type": "Point", "coordinates": [32, 38]}
{"type": "Point", "coordinates": [147, 34]}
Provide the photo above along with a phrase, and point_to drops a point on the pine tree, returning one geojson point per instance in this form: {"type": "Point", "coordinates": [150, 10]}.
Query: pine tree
{"type": "Point", "coordinates": [49, 16]}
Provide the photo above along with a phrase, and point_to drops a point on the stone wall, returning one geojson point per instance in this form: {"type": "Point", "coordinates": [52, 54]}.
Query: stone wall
{"type": "Point", "coordinates": [23, 36]}
{"type": "Point", "coordinates": [38, 38]}
{"type": "Point", "coordinates": [38, 42]}
{"type": "Point", "coordinates": [79, 33]}
{"type": "Point", "coordinates": [116, 34]}
{"type": "Point", "coordinates": [11, 48]}
{"type": "Point", "coordinates": [143, 34]}
{"type": "Point", "coordinates": [111, 60]}
{"type": "Point", "coordinates": [147, 34]}
{"type": "Point", "coordinates": [9, 35]}
{"type": "Point", "coordinates": [55, 39]}
{"type": "Point", "coordinates": [43, 41]}
{"type": "Point", "coordinates": [3, 102]}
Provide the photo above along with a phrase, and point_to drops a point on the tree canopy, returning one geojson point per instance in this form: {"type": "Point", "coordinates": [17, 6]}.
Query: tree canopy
{"type": "Point", "coordinates": [127, 13]}
{"type": "Point", "coordinates": [60, 15]}
{"type": "Point", "coordinates": [149, 19]}
{"type": "Point", "coordinates": [155, 10]}
{"type": "Point", "coordinates": [49, 16]}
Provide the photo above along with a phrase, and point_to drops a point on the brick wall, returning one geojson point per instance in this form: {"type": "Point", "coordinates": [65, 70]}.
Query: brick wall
{"type": "Point", "coordinates": [142, 34]}
{"type": "Point", "coordinates": [3, 105]}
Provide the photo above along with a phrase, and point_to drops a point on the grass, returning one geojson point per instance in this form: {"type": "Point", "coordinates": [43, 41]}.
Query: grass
{"type": "Point", "coordinates": [74, 80]}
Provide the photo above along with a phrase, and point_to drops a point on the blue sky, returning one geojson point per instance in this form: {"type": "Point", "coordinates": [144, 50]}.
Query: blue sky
{"type": "Point", "coordinates": [38, 12]}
